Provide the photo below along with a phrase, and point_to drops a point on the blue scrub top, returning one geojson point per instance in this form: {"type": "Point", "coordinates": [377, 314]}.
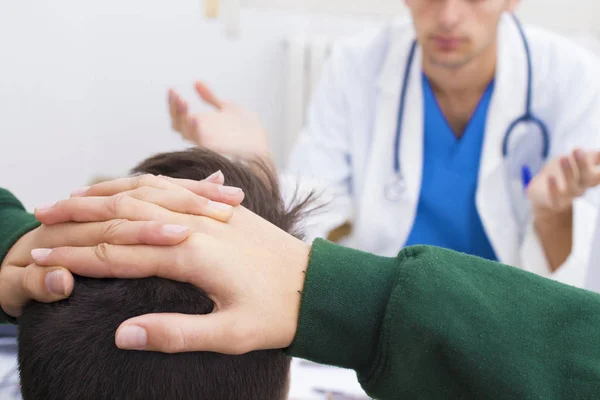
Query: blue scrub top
{"type": "Point", "coordinates": [446, 214]}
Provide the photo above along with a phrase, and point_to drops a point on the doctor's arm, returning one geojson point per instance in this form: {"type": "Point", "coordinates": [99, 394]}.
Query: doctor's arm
{"type": "Point", "coordinates": [564, 205]}
{"type": "Point", "coordinates": [553, 194]}
{"type": "Point", "coordinates": [320, 160]}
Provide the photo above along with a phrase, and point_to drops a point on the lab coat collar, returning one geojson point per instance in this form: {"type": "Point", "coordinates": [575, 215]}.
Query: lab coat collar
{"type": "Point", "coordinates": [507, 104]}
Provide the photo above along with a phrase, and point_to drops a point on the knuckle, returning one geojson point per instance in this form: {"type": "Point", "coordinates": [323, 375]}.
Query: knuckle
{"type": "Point", "coordinates": [143, 193]}
{"type": "Point", "coordinates": [30, 282]}
{"type": "Point", "coordinates": [142, 180]}
{"type": "Point", "coordinates": [112, 228]}
{"type": "Point", "coordinates": [102, 253]}
{"type": "Point", "coordinates": [175, 341]}
{"type": "Point", "coordinates": [241, 337]}
{"type": "Point", "coordinates": [148, 180]}
{"type": "Point", "coordinates": [116, 204]}
{"type": "Point", "coordinates": [194, 204]}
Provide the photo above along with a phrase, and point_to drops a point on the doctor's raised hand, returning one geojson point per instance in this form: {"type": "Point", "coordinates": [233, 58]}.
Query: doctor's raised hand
{"type": "Point", "coordinates": [552, 192]}
{"type": "Point", "coordinates": [228, 128]}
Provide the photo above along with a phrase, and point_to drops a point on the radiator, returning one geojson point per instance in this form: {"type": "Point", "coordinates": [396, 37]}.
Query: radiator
{"type": "Point", "coordinates": [304, 58]}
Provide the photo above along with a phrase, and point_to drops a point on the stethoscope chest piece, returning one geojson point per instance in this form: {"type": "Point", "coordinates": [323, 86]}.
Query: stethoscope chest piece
{"type": "Point", "coordinates": [395, 189]}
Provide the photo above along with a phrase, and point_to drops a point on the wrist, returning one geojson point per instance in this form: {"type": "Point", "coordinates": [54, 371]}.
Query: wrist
{"type": "Point", "coordinates": [555, 231]}
{"type": "Point", "coordinates": [20, 252]}
{"type": "Point", "coordinates": [299, 265]}
{"type": "Point", "coordinates": [551, 219]}
{"type": "Point", "coordinates": [343, 303]}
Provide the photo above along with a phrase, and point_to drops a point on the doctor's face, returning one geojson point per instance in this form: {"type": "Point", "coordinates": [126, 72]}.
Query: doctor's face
{"type": "Point", "coordinates": [454, 32]}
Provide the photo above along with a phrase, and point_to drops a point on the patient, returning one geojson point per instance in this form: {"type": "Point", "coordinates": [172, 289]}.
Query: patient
{"type": "Point", "coordinates": [67, 349]}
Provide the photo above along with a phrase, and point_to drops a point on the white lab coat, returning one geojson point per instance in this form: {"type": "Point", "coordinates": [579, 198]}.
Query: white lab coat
{"type": "Point", "coordinates": [347, 147]}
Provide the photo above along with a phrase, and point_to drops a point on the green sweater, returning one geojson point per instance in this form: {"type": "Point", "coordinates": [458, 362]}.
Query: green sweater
{"type": "Point", "coordinates": [433, 323]}
{"type": "Point", "coordinates": [436, 324]}
{"type": "Point", "coordinates": [14, 221]}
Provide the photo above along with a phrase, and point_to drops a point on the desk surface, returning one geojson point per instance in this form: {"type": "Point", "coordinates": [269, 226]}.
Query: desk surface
{"type": "Point", "coordinates": [308, 376]}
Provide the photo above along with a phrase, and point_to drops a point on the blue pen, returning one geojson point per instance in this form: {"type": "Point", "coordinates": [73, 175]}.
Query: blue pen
{"type": "Point", "coordinates": [526, 176]}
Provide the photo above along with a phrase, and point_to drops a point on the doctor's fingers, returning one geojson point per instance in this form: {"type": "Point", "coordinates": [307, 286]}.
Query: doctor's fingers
{"type": "Point", "coordinates": [19, 285]}
{"type": "Point", "coordinates": [572, 177]}
{"type": "Point", "coordinates": [178, 110]}
{"type": "Point", "coordinates": [191, 129]}
{"type": "Point", "coordinates": [589, 172]}
{"type": "Point", "coordinates": [208, 95]}
{"type": "Point", "coordinates": [126, 206]}
{"type": "Point", "coordinates": [172, 110]}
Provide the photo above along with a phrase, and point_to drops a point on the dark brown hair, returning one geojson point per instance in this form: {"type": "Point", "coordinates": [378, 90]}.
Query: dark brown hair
{"type": "Point", "coordinates": [67, 350]}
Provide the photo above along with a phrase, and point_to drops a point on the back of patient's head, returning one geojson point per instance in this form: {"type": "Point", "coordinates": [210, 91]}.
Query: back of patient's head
{"type": "Point", "coordinates": [67, 349]}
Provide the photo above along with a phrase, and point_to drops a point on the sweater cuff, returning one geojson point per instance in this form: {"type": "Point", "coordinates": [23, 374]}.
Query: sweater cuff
{"type": "Point", "coordinates": [14, 223]}
{"type": "Point", "coordinates": [343, 304]}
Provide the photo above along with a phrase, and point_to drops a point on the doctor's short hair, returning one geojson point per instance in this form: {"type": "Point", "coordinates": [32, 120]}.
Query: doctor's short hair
{"type": "Point", "coordinates": [67, 349]}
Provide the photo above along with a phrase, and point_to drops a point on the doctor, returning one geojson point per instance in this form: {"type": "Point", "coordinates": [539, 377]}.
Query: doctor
{"type": "Point", "coordinates": [460, 129]}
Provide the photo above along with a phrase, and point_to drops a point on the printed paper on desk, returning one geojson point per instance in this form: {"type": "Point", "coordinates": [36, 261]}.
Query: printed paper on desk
{"type": "Point", "coordinates": [309, 380]}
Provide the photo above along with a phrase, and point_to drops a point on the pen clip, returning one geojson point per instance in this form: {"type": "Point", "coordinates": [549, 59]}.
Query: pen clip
{"type": "Point", "coordinates": [525, 176]}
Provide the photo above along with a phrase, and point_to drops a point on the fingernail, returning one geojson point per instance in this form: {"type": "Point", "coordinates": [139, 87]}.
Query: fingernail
{"type": "Point", "coordinates": [55, 282]}
{"type": "Point", "coordinates": [579, 155]}
{"type": "Point", "coordinates": [132, 337]}
{"type": "Point", "coordinates": [45, 207]}
{"type": "Point", "coordinates": [40, 254]}
{"type": "Point", "coordinates": [216, 177]}
{"type": "Point", "coordinates": [565, 163]}
{"type": "Point", "coordinates": [229, 190]}
{"type": "Point", "coordinates": [194, 122]}
{"type": "Point", "coordinates": [218, 206]}
{"type": "Point", "coordinates": [80, 191]}
{"type": "Point", "coordinates": [174, 229]}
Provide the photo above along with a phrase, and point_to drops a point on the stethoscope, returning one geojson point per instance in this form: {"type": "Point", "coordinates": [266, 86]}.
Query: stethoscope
{"type": "Point", "coordinates": [395, 190]}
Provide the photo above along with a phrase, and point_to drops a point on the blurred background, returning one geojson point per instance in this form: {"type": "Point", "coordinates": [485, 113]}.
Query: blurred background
{"type": "Point", "coordinates": [84, 84]}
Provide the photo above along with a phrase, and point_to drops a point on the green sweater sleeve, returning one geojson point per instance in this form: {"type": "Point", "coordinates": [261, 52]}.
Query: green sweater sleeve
{"type": "Point", "coordinates": [14, 223]}
{"type": "Point", "coordinates": [436, 324]}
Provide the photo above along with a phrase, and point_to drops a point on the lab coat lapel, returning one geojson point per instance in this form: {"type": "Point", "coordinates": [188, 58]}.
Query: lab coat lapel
{"type": "Point", "coordinates": [411, 137]}
{"type": "Point", "coordinates": [389, 224]}
{"type": "Point", "coordinates": [507, 104]}
{"type": "Point", "coordinates": [399, 223]}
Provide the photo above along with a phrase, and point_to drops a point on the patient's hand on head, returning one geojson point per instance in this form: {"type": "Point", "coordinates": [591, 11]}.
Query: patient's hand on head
{"type": "Point", "coordinates": [67, 349]}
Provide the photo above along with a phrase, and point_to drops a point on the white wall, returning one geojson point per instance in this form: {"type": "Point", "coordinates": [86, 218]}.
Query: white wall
{"type": "Point", "coordinates": [565, 15]}
{"type": "Point", "coordinates": [83, 84]}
